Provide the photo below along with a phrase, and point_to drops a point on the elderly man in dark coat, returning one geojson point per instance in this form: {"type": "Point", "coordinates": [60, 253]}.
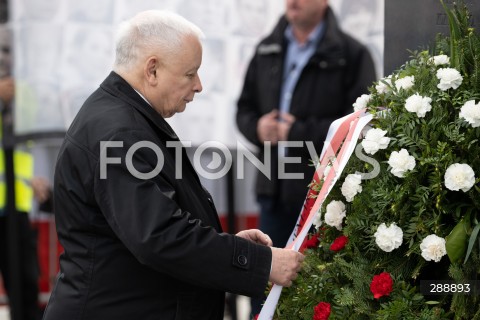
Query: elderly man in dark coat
{"type": "Point", "coordinates": [141, 235]}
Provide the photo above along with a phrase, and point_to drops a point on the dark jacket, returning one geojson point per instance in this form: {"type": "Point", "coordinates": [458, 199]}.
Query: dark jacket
{"type": "Point", "coordinates": [140, 248]}
{"type": "Point", "coordinates": [340, 70]}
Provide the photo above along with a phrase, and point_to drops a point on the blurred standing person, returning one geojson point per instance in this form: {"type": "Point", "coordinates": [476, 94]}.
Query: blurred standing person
{"type": "Point", "coordinates": [23, 173]}
{"type": "Point", "coordinates": [141, 236]}
{"type": "Point", "coordinates": [304, 75]}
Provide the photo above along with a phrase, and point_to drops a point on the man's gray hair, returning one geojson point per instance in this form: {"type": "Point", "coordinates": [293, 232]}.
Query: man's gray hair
{"type": "Point", "coordinates": [151, 29]}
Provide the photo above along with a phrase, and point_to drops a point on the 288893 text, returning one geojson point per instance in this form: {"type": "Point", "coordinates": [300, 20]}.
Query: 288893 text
{"type": "Point", "coordinates": [445, 287]}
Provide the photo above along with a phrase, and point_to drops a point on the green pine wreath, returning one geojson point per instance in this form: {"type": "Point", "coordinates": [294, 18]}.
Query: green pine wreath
{"type": "Point", "coordinates": [415, 225]}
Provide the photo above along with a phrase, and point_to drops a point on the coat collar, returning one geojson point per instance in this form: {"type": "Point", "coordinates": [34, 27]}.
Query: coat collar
{"type": "Point", "coordinates": [117, 86]}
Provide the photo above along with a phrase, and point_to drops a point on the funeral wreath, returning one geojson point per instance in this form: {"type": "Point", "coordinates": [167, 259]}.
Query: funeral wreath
{"type": "Point", "coordinates": [404, 243]}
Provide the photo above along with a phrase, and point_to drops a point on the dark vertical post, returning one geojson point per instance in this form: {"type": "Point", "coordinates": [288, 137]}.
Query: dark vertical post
{"type": "Point", "coordinates": [13, 236]}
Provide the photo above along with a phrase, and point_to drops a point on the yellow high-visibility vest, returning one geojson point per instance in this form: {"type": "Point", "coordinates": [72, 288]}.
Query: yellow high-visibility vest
{"type": "Point", "coordinates": [23, 167]}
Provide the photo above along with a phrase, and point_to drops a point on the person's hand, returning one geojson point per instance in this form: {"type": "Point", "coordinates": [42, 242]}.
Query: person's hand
{"type": "Point", "coordinates": [256, 236]}
{"type": "Point", "coordinates": [284, 125]}
{"type": "Point", "coordinates": [286, 264]}
{"type": "Point", "coordinates": [7, 89]}
{"type": "Point", "coordinates": [41, 189]}
{"type": "Point", "coordinates": [267, 127]}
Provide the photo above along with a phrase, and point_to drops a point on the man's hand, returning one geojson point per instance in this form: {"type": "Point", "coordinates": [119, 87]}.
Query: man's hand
{"type": "Point", "coordinates": [284, 125]}
{"type": "Point", "coordinates": [286, 264]}
{"type": "Point", "coordinates": [41, 189]}
{"type": "Point", "coordinates": [7, 89]}
{"type": "Point", "coordinates": [256, 236]}
{"type": "Point", "coordinates": [267, 127]}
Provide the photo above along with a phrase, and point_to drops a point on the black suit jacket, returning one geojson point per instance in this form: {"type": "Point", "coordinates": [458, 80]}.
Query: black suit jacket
{"type": "Point", "coordinates": [139, 248]}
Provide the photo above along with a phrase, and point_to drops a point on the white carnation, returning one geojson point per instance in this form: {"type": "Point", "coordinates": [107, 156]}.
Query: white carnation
{"type": "Point", "coordinates": [405, 83]}
{"type": "Point", "coordinates": [471, 113]}
{"type": "Point", "coordinates": [418, 104]}
{"type": "Point", "coordinates": [449, 78]}
{"type": "Point", "coordinates": [335, 213]}
{"type": "Point", "coordinates": [361, 102]}
{"type": "Point", "coordinates": [388, 238]}
{"type": "Point", "coordinates": [375, 140]}
{"type": "Point", "coordinates": [351, 186]}
{"type": "Point", "coordinates": [433, 248]}
{"type": "Point", "coordinates": [459, 176]}
{"type": "Point", "coordinates": [441, 59]}
{"type": "Point", "coordinates": [384, 85]}
{"type": "Point", "coordinates": [401, 162]}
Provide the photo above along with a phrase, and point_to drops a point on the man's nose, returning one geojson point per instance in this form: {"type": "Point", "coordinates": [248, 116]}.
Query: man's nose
{"type": "Point", "coordinates": [198, 85]}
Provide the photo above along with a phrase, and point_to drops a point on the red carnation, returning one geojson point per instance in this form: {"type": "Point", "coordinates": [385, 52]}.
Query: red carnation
{"type": "Point", "coordinates": [321, 311]}
{"type": "Point", "coordinates": [381, 285]}
{"type": "Point", "coordinates": [256, 317]}
{"type": "Point", "coordinates": [311, 242]}
{"type": "Point", "coordinates": [339, 243]}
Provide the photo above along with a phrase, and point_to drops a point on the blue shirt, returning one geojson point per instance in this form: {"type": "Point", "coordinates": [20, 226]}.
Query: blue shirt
{"type": "Point", "coordinates": [296, 58]}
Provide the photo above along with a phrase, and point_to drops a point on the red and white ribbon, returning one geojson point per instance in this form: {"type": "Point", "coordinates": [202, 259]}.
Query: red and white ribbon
{"type": "Point", "coordinates": [343, 132]}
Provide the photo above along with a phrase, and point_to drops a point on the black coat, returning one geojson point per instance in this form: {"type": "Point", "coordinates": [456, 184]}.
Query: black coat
{"type": "Point", "coordinates": [340, 70]}
{"type": "Point", "coordinates": [140, 248]}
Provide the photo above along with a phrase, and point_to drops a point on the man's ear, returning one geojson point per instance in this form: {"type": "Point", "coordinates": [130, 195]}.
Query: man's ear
{"type": "Point", "coordinates": [151, 70]}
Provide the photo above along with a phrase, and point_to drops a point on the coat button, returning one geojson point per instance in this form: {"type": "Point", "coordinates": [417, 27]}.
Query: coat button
{"type": "Point", "coordinates": [323, 64]}
{"type": "Point", "coordinates": [242, 260]}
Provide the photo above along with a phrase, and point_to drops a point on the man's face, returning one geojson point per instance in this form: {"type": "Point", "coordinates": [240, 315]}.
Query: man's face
{"type": "Point", "coordinates": [178, 79]}
{"type": "Point", "coordinates": [5, 56]}
{"type": "Point", "coordinates": [305, 12]}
